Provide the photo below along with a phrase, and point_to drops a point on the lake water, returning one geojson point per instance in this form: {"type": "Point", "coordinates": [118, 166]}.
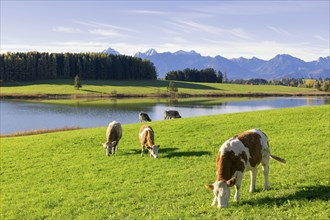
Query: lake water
{"type": "Point", "coordinates": [21, 116]}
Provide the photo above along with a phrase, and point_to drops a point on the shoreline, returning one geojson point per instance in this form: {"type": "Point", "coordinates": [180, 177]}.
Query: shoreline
{"type": "Point", "coordinates": [164, 95]}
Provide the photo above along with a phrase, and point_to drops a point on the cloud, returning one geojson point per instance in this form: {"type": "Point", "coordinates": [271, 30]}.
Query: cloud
{"type": "Point", "coordinates": [100, 25]}
{"type": "Point", "coordinates": [66, 29]}
{"type": "Point", "coordinates": [319, 37]}
{"type": "Point", "coordinates": [279, 31]}
{"type": "Point", "coordinates": [148, 12]}
{"type": "Point", "coordinates": [104, 32]}
{"type": "Point", "coordinates": [192, 26]}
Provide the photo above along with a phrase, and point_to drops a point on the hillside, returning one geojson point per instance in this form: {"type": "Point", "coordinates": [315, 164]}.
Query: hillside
{"type": "Point", "coordinates": [141, 88]}
{"type": "Point", "coordinates": [66, 175]}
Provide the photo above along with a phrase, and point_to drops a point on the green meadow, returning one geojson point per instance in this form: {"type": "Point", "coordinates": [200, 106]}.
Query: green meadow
{"type": "Point", "coordinates": [66, 175]}
{"type": "Point", "coordinates": [143, 87]}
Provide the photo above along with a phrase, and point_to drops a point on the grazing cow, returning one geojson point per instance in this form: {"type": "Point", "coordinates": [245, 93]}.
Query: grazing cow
{"type": "Point", "coordinates": [113, 135]}
{"type": "Point", "coordinates": [144, 117]}
{"type": "Point", "coordinates": [171, 114]}
{"type": "Point", "coordinates": [146, 136]}
{"type": "Point", "coordinates": [239, 154]}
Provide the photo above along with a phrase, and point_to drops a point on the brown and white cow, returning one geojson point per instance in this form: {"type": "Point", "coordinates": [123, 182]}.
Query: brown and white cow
{"type": "Point", "coordinates": [146, 136]}
{"type": "Point", "coordinates": [113, 135]}
{"type": "Point", "coordinates": [241, 153]}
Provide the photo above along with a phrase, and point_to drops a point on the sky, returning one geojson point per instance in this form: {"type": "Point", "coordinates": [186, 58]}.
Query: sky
{"type": "Point", "coordinates": [231, 29]}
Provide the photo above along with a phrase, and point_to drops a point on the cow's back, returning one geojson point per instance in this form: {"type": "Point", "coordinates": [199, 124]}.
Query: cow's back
{"type": "Point", "coordinates": [232, 157]}
{"type": "Point", "coordinates": [146, 134]}
{"type": "Point", "coordinates": [114, 131]}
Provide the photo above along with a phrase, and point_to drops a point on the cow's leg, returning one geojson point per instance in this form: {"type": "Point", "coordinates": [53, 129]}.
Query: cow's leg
{"type": "Point", "coordinates": [253, 174]}
{"type": "Point", "coordinates": [238, 183]}
{"type": "Point", "coordinates": [142, 150]}
{"type": "Point", "coordinates": [265, 169]}
{"type": "Point", "coordinates": [214, 201]}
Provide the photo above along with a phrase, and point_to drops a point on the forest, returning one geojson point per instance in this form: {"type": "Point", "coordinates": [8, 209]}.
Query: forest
{"type": "Point", "coordinates": [38, 66]}
{"type": "Point", "coordinates": [195, 75]}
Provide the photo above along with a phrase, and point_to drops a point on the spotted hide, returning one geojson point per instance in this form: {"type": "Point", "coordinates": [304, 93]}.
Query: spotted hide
{"type": "Point", "coordinates": [241, 153]}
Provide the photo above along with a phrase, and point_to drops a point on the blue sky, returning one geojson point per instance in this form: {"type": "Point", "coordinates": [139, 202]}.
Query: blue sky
{"type": "Point", "coordinates": [228, 28]}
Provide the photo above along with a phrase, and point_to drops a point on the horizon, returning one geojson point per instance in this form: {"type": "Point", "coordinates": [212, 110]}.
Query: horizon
{"type": "Point", "coordinates": [230, 29]}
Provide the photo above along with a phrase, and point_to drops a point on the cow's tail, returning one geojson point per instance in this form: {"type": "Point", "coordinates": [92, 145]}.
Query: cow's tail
{"type": "Point", "coordinates": [278, 158]}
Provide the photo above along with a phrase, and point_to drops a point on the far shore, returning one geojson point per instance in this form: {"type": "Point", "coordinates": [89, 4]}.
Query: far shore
{"type": "Point", "coordinates": [163, 95]}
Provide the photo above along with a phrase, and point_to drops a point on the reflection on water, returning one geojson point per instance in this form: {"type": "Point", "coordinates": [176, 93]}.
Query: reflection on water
{"type": "Point", "coordinates": [20, 116]}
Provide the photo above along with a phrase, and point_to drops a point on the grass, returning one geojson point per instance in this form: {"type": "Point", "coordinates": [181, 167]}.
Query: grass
{"type": "Point", "coordinates": [66, 175]}
{"type": "Point", "coordinates": [137, 102]}
{"type": "Point", "coordinates": [39, 131]}
{"type": "Point", "coordinates": [156, 87]}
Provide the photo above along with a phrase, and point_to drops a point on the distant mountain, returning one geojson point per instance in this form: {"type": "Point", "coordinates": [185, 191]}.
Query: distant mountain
{"type": "Point", "coordinates": [165, 62]}
{"type": "Point", "coordinates": [249, 64]}
{"type": "Point", "coordinates": [284, 65]}
{"type": "Point", "coordinates": [281, 66]}
{"type": "Point", "coordinates": [111, 51]}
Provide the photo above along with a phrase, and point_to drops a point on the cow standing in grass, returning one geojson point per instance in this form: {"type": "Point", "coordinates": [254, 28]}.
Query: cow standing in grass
{"type": "Point", "coordinates": [113, 135]}
{"type": "Point", "coordinates": [239, 154]}
{"type": "Point", "coordinates": [144, 117]}
{"type": "Point", "coordinates": [146, 136]}
{"type": "Point", "coordinates": [171, 114]}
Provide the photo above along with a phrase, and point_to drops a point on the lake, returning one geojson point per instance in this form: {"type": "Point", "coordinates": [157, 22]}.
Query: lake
{"type": "Point", "coordinates": [21, 115]}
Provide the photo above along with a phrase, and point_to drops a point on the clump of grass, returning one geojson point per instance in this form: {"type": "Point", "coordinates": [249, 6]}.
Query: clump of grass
{"type": "Point", "coordinates": [39, 131]}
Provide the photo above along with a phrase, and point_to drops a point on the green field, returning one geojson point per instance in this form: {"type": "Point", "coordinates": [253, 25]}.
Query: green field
{"type": "Point", "coordinates": [66, 175]}
{"type": "Point", "coordinates": [156, 87]}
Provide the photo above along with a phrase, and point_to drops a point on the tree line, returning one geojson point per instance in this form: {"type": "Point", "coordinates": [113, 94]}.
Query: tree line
{"type": "Point", "coordinates": [195, 75]}
{"type": "Point", "coordinates": [38, 66]}
{"type": "Point", "coordinates": [320, 84]}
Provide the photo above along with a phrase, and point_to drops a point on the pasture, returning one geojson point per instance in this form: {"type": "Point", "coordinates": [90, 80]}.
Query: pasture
{"type": "Point", "coordinates": [66, 175]}
{"type": "Point", "coordinates": [143, 87]}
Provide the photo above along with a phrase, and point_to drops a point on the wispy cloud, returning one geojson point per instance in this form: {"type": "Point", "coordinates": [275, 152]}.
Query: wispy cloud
{"type": "Point", "coordinates": [66, 29]}
{"type": "Point", "coordinates": [148, 12]}
{"type": "Point", "coordinates": [104, 32]}
{"type": "Point", "coordinates": [192, 26]}
{"type": "Point", "coordinates": [100, 25]}
{"type": "Point", "coordinates": [319, 37]}
{"type": "Point", "coordinates": [279, 31]}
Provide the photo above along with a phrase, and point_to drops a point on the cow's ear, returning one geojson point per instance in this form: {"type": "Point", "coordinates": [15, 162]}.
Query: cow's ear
{"type": "Point", "coordinates": [158, 146]}
{"type": "Point", "coordinates": [209, 186]}
{"type": "Point", "coordinates": [231, 182]}
{"type": "Point", "coordinates": [105, 145]}
{"type": "Point", "coordinates": [113, 142]}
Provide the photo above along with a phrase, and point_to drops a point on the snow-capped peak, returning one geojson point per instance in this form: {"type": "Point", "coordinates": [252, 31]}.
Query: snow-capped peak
{"type": "Point", "coordinates": [111, 51]}
{"type": "Point", "coordinates": [150, 52]}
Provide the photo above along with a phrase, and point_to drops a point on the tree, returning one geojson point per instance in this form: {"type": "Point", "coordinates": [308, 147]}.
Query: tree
{"type": "Point", "coordinates": [171, 87]}
{"type": "Point", "coordinates": [77, 82]}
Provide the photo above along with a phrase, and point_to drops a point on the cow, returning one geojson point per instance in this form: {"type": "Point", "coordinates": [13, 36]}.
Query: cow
{"type": "Point", "coordinates": [144, 117]}
{"type": "Point", "coordinates": [113, 135]}
{"type": "Point", "coordinates": [241, 153]}
{"type": "Point", "coordinates": [171, 114]}
{"type": "Point", "coordinates": [146, 136]}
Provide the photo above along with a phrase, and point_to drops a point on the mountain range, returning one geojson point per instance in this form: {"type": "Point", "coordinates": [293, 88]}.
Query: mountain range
{"type": "Point", "coordinates": [281, 66]}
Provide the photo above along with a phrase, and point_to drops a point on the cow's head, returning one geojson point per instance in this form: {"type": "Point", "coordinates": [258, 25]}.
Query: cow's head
{"type": "Point", "coordinates": [109, 147]}
{"type": "Point", "coordinates": [154, 151]}
{"type": "Point", "coordinates": [221, 190]}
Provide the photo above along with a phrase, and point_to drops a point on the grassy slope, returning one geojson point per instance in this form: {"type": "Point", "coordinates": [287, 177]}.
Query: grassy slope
{"type": "Point", "coordinates": [66, 175]}
{"type": "Point", "coordinates": [139, 87]}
